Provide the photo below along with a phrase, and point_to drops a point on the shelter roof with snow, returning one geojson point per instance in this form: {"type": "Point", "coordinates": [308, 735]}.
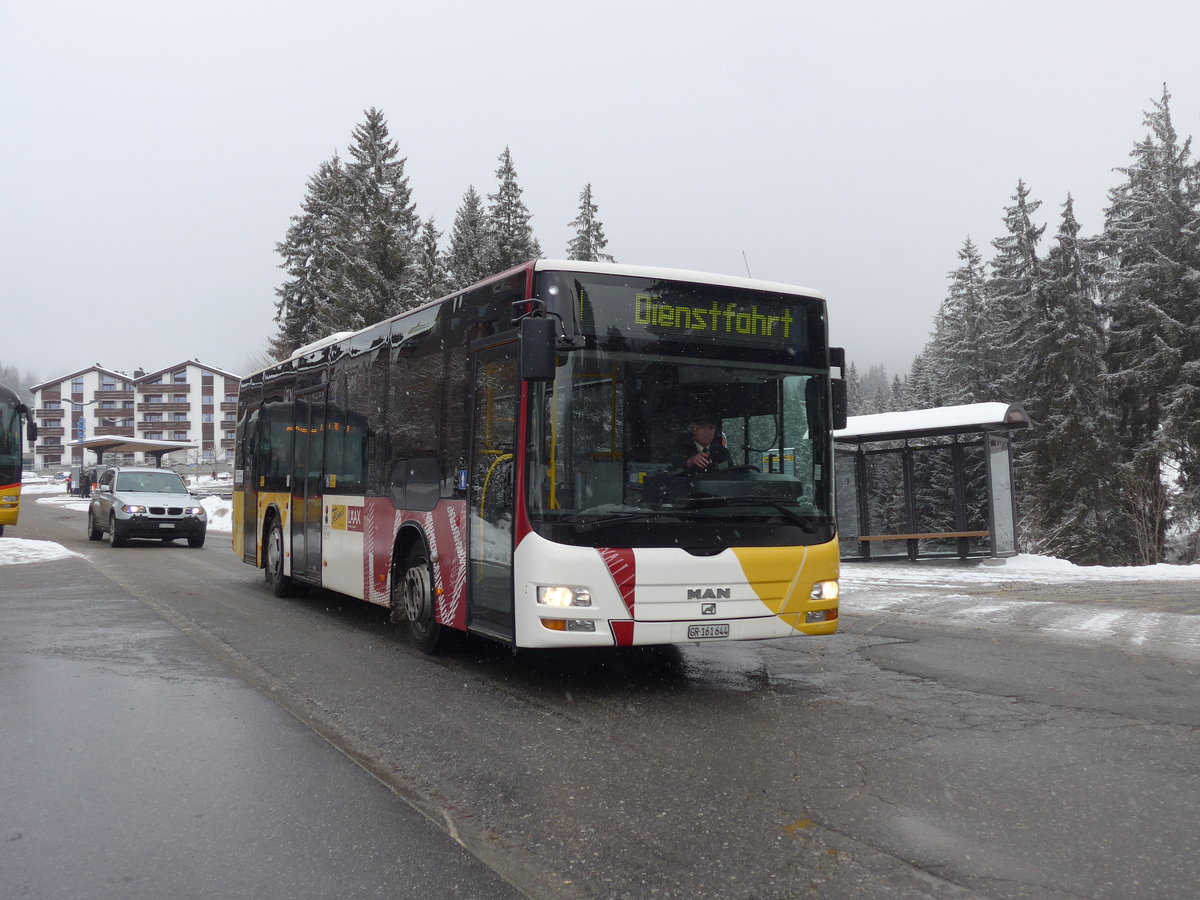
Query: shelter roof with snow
{"type": "Point", "coordinates": [970, 418]}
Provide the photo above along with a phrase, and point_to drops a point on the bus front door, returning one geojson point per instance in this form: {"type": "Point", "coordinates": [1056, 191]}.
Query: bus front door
{"type": "Point", "coordinates": [307, 483]}
{"type": "Point", "coordinates": [491, 496]}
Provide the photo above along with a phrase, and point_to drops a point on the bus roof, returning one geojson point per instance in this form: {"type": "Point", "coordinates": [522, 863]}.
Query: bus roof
{"type": "Point", "coordinates": [572, 265]}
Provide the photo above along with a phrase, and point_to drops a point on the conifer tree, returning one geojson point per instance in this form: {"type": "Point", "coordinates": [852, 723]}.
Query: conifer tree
{"type": "Point", "coordinates": [1067, 485]}
{"type": "Point", "coordinates": [854, 392]}
{"type": "Point", "coordinates": [1014, 303]}
{"type": "Point", "coordinates": [431, 280]}
{"type": "Point", "coordinates": [1152, 299]}
{"type": "Point", "coordinates": [956, 354]}
{"type": "Point", "coordinates": [382, 270]}
{"type": "Point", "coordinates": [315, 255]}
{"type": "Point", "coordinates": [470, 255]}
{"type": "Point", "coordinates": [589, 241]}
{"type": "Point", "coordinates": [508, 218]}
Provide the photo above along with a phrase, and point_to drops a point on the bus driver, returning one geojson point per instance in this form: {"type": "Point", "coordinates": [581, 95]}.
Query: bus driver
{"type": "Point", "coordinates": [704, 449]}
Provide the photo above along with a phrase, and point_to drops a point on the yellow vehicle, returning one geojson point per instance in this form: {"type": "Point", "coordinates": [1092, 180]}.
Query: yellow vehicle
{"type": "Point", "coordinates": [12, 413]}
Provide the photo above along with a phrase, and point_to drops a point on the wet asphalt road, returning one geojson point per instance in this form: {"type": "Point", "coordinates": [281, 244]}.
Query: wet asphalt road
{"type": "Point", "coordinates": [135, 765]}
{"type": "Point", "coordinates": [896, 759]}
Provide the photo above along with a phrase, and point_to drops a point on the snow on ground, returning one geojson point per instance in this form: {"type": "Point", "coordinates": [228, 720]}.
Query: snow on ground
{"type": "Point", "coordinates": [56, 494]}
{"type": "Point", "coordinates": [14, 551]}
{"type": "Point", "coordinates": [1136, 608]}
{"type": "Point", "coordinates": [1023, 568]}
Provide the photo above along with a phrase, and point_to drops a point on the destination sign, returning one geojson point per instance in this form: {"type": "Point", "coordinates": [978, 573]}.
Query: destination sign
{"type": "Point", "coordinates": [726, 318]}
{"type": "Point", "coordinates": [662, 312]}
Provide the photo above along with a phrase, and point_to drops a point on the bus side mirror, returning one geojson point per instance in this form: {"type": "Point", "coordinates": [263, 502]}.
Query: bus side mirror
{"type": "Point", "coordinates": [31, 431]}
{"type": "Point", "coordinates": [841, 402]}
{"type": "Point", "coordinates": [539, 337]}
{"type": "Point", "coordinates": [837, 359]}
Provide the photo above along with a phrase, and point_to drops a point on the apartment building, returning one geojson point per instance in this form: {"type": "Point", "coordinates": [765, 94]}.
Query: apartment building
{"type": "Point", "coordinates": [189, 401]}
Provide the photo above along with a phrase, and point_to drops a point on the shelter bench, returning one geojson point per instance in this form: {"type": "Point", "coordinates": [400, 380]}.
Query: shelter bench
{"type": "Point", "coordinates": [928, 535]}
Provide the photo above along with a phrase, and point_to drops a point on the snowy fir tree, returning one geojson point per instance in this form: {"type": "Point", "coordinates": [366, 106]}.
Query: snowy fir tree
{"type": "Point", "coordinates": [431, 280]}
{"type": "Point", "coordinates": [1013, 302]}
{"type": "Point", "coordinates": [1152, 300]}
{"type": "Point", "coordinates": [508, 219]}
{"type": "Point", "coordinates": [383, 268]}
{"type": "Point", "coordinates": [589, 241]}
{"type": "Point", "coordinates": [315, 254]}
{"type": "Point", "coordinates": [854, 392]}
{"type": "Point", "coordinates": [955, 358]}
{"type": "Point", "coordinates": [1070, 508]}
{"type": "Point", "coordinates": [470, 255]}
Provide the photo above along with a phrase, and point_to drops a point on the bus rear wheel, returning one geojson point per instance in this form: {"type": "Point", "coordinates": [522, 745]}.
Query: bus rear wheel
{"type": "Point", "coordinates": [413, 599]}
{"type": "Point", "coordinates": [281, 585]}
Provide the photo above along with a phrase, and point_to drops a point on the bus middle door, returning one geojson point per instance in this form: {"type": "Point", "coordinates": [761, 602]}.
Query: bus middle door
{"type": "Point", "coordinates": [491, 496]}
{"type": "Point", "coordinates": [307, 484]}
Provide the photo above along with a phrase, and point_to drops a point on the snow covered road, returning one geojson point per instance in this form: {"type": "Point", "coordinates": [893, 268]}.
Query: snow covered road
{"type": "Point", "coordinates": [1151, 608]}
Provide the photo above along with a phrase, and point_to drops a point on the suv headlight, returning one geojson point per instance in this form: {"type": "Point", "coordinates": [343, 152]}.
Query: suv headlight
{"type": "Point", "coordinates": [134, 509]}
{"type": "Point", "coordinates": [195, 510]}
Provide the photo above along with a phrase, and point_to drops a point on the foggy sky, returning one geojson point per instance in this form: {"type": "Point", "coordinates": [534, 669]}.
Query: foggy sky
{"type": "Point", "coordinates": [153, 152]}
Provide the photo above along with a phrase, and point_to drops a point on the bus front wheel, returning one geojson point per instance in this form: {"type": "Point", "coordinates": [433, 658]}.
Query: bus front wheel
{"type": "Point", "coordinates": [281, 585]}
{"type": "Point", "coordinates": [412, 594]}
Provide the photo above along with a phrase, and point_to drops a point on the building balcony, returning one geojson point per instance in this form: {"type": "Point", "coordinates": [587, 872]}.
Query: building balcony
{"type": "Point", "coordinates": [229, 407]}
{"type": "Point", "coordinates": [118, 396]}
{"type": "Point", "coordinates": [51, 432]}
{"type": "Point", "coordinates": [164, 425]}
{"type": "Point", "coordinates": [114, 431]}
{"type": "Point", "coordinates": [164, 407]}
{"type": "Point", "coordinates": [165, 387]}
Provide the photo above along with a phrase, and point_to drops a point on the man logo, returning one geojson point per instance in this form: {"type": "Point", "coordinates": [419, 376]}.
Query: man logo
{"type": "Point", "coordinates": [708, 593]}
{"type": "Point", "coordinates": [708, 609]}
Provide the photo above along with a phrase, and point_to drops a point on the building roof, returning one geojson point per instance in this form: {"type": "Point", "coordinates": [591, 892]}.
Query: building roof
{"type": "Point", "coordinates": [187, 362]}
{"type": "Point", "coordinates": [967, 419]}
{"type": "Point", "coordinates": [136, 379]}
{"type": "Point", "coordinates": [96, 368]}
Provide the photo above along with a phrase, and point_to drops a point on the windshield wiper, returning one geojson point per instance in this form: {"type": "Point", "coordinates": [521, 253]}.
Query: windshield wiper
{"type": "Point", "coordinates": [807, 524]}
{"type": "Point", "coordinates": [596, 524]}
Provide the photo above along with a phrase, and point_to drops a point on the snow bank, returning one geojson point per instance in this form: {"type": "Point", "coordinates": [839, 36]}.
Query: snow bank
{"type": "Point", "coordinates": [14, 551]}
{"type": "Point", "coordinates": [1026, 567]}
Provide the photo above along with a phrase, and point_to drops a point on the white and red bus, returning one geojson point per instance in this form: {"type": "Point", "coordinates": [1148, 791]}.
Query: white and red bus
{"type": "Point", "coordinates": [508, 461]}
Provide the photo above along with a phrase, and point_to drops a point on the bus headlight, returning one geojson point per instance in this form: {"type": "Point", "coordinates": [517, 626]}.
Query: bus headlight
{"type": "Point", "coordinates": [563, 596]}
{"type": "Point", "coordinates": [824, 590]}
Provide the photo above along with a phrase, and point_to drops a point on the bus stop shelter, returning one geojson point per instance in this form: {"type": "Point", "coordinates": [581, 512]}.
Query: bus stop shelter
{"type": "Point", "coordinates": [928, 483]}
{"type": "Point", "coordinates": [156, 449]}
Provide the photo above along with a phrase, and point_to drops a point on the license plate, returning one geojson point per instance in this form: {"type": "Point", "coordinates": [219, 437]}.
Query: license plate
{"type": "Point", "coordinates": [708, 631]}
{"type": "Point", "coordinates": [166, 524]}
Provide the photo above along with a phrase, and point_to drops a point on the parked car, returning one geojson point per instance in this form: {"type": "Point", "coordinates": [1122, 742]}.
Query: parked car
{"type": "Point", "coordinates": [144, 503]}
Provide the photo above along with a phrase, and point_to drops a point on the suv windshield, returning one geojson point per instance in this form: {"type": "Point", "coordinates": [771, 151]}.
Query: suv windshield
{"type": "Point", "coordinates": [150, 483]}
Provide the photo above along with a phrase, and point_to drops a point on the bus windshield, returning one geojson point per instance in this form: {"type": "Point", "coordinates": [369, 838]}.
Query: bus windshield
{"type": "Point", "coordinates": [10, 441]}
{"type": "Point", "coordinates": [609, 437]}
